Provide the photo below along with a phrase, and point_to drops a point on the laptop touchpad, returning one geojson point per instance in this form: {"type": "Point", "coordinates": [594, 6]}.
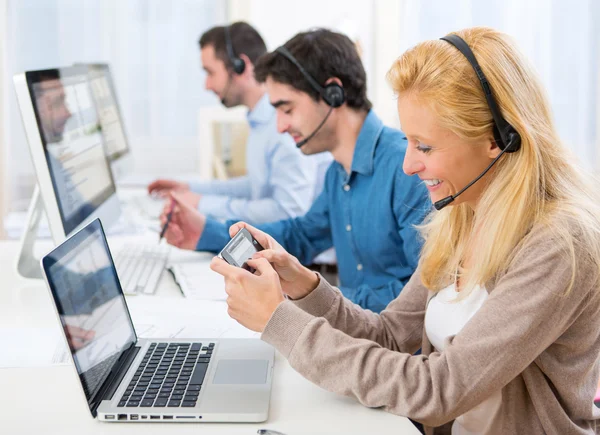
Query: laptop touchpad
{"type": "Point", "coordinates": [241, 371]}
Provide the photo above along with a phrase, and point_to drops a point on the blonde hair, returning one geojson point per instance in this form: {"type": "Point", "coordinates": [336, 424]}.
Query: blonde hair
{"type": "Point", "coordinates": [533, 186]}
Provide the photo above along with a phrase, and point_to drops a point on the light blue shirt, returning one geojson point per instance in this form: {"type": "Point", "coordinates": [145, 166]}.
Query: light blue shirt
{"type": "Point", "coordinates": [280, 183]}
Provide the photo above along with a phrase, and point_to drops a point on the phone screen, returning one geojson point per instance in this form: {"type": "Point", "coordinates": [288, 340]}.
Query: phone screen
{"type": "Point", "coordinates": [242, 251]}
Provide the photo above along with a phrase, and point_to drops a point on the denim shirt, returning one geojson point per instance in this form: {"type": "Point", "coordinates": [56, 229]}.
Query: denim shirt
{"type": "Point", "coordinates": [280, 182]}
{"type": "Point", "coordinates": [368, 216]}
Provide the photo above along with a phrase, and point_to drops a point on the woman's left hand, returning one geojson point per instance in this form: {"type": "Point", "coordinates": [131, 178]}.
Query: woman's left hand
{"type": "Point", "coordinates": [251, 298]}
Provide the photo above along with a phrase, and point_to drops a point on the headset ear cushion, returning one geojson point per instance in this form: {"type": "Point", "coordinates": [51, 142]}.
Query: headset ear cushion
{"type": "Point", "coordinates": [514, 142]}
{"type": "Point", "coordinates": [239, 66]}
{"type": "Point", "coordinates": [334, 95]}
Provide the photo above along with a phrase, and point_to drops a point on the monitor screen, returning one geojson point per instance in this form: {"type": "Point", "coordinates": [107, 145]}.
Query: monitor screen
{"type": "Point", "coordinates": [92, 309]}
{"type": "Point", "coordinates": [69, 127]}
{"type": "Point", "coordinates": [105, 97]}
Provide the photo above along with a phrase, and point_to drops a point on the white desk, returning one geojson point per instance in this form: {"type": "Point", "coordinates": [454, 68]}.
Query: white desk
{"type": "Point", "coordinates": [48, 399]}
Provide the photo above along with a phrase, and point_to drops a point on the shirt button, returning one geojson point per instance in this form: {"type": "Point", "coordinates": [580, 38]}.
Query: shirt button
{"type": "Point", "coordinates": [348, 227]}
{"type": "Point", "coordinates": [359, 267]}
{"type": "Point", "coordinates": [346, 187]}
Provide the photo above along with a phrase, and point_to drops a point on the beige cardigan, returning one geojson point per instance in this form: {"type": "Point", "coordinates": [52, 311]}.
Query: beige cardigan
{"type": "Point", "coordinates": [538, 346]}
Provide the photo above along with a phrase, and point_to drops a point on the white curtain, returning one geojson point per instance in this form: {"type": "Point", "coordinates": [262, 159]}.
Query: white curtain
{"type": "Point", "coordinates": [152, 47]}
{"type": "Point", "coordinates": [560, 37]}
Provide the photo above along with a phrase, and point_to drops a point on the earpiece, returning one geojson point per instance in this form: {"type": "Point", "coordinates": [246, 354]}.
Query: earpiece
{"type": "Point", "coordinates": [332, 93]}
{"type": "Point", "coordinates": [507, 138]}
{"type": "Point", "coordinates": [238, 64]}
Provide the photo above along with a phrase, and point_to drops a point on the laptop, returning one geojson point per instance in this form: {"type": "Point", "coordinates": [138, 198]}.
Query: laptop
{"type": "Point", "coordinates": [128, 379]}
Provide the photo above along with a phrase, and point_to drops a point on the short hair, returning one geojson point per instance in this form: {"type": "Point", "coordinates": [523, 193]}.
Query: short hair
{"type": "Point", "coordinates": [245, 39]}
{"type": "Point", "coordinates": [323, 54]}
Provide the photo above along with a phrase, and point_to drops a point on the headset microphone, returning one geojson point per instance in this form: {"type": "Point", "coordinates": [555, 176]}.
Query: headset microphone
{"type": "Point", "coordinates": [447, 200]}
{"type": "Point", "coordinates": [506, 136]}
{"type": "Point", "coordinates": [333, 94]}
{"type": "Point", "coordinates": [310, 136]}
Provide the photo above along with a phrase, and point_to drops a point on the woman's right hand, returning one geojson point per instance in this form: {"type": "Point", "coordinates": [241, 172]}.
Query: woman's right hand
{"type": "Point", "coordinates": [296, 280]}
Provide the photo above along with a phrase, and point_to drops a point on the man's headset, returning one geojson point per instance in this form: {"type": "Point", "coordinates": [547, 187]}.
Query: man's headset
{"type": "Point", "coordinates": [238, 65]}
{"type": "Point", "coordinates": [507, 138]}
{"type": "Point", "coordinates": [332, 93]}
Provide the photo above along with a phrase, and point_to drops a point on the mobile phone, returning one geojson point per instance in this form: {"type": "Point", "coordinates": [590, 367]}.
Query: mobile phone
{"type": "Point", "coordinates": [240, 249]}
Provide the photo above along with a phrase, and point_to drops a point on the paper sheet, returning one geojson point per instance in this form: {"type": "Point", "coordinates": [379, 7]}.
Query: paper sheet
{"type": "Point", "coordinates": [32, 347]}
{"type": "Point", "coordinates": [156, 317]}
{"type": "Point", "coordinates": [196, 281]}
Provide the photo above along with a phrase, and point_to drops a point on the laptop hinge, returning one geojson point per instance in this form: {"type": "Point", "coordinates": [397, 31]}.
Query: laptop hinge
{"type": "Point", "coordinates": [115, 377]}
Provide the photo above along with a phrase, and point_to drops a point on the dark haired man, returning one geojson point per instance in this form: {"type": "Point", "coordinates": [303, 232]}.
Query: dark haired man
{"type": "Point", "coordinates": [368, 207]}
{"type": "Point", "coordinates": [280, 182]}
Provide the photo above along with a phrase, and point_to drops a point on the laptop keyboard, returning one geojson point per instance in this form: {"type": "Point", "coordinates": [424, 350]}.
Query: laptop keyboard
{"type": "Point", "coordinates": [170, 375]}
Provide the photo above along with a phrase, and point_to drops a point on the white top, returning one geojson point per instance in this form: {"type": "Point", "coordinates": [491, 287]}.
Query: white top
{"type": "Point", "coordinates": [444, 319]}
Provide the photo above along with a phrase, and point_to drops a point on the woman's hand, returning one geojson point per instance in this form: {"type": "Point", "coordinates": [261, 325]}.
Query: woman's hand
{"type": "Point", "coordinates": [296, 280]}
{"type": "Point", "coordinates": [251, 298]}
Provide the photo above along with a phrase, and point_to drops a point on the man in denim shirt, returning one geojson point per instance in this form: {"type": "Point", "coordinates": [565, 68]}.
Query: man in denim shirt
{"type": "Point", "coordinates": [369, 207]}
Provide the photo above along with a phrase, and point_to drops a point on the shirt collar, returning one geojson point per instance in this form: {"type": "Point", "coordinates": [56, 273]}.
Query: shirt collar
{"type": "Point", "coordinates": [364, 152]}
{"type": "Point", "coordinates": [262, 113]}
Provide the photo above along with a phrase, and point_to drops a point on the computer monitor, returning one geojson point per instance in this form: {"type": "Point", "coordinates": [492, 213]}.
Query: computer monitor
{"type": "Point", "coordinates": [115, 139]}
{"type": "Point", "coordinates": [63, 130]}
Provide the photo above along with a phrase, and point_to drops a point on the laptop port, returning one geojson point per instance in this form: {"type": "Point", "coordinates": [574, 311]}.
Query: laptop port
{"type": "Point", "coordinates": [144, 417]}
{"type": "Point", "coordinates": [167, 417]}
{"type": "Point", "coordinates": [109, 417]}
{"type": "Point", "coordinates": [122, 416]}
{"type": "Point", "coordinates": [134, 417]}
{"type": "Point", "coordinates": [185, 416]}
{"type": "Point", "coordinates": [155, 417]}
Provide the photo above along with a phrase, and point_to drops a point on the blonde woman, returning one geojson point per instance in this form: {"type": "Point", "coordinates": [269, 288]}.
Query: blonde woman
{"type": "Point", "coordinates": [505, 302]}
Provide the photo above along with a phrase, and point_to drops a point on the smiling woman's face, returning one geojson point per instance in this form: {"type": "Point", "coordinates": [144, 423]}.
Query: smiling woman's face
{"type": "Point", "coordinates": [445, 162]}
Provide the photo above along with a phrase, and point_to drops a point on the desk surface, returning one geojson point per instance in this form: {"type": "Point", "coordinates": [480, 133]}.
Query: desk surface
{"type": "Point", "coordinates": [48, 400]}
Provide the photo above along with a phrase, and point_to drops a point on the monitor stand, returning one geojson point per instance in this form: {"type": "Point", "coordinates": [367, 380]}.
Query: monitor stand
{"type": "Point", "coordinates": [28, 265]}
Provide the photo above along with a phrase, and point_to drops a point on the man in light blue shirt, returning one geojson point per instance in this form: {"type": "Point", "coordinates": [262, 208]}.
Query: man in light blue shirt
{"type": "Point", "coordinates": [369, 207]}
{"type": "Point", "coordinates": [280, 181]}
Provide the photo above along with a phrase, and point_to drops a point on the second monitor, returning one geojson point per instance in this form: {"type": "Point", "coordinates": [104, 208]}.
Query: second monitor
{"type": "Point", "coordinates": [75, 182]}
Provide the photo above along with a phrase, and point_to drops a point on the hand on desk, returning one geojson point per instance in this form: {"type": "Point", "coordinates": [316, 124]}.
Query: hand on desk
{"type": "Point", "coordinates": [78, 337]}
{"type": "Point", "coordinates": [162, 187]}
{"type": "Point", "coordinates": [186, 225]}
{"type": "Point", "coordinates": [296, 280]}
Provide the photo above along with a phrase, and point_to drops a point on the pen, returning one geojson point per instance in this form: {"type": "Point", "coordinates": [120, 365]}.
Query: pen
{"type": "Point", "coordinates": [169, 216]}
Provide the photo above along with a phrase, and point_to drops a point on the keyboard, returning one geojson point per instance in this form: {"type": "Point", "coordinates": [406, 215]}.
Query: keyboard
{"type": "Point", "coordinates": [140, 267]}
{"type": "Point", "coordinates": [170, 375]}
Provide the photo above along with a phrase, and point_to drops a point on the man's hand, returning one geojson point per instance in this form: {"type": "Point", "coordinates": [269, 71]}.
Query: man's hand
{"type": "Point", "coordinates": [296, 280]}
{"type": "Point", "coordinates": [190, 198]}
{"type": "Point", "coordinates": [186, 225]}
{"type": "Point", "coordinates": [162, 187]}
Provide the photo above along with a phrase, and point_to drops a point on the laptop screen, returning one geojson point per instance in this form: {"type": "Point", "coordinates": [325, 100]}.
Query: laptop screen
{"type": "Point", "coordinates": [92, 309]}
